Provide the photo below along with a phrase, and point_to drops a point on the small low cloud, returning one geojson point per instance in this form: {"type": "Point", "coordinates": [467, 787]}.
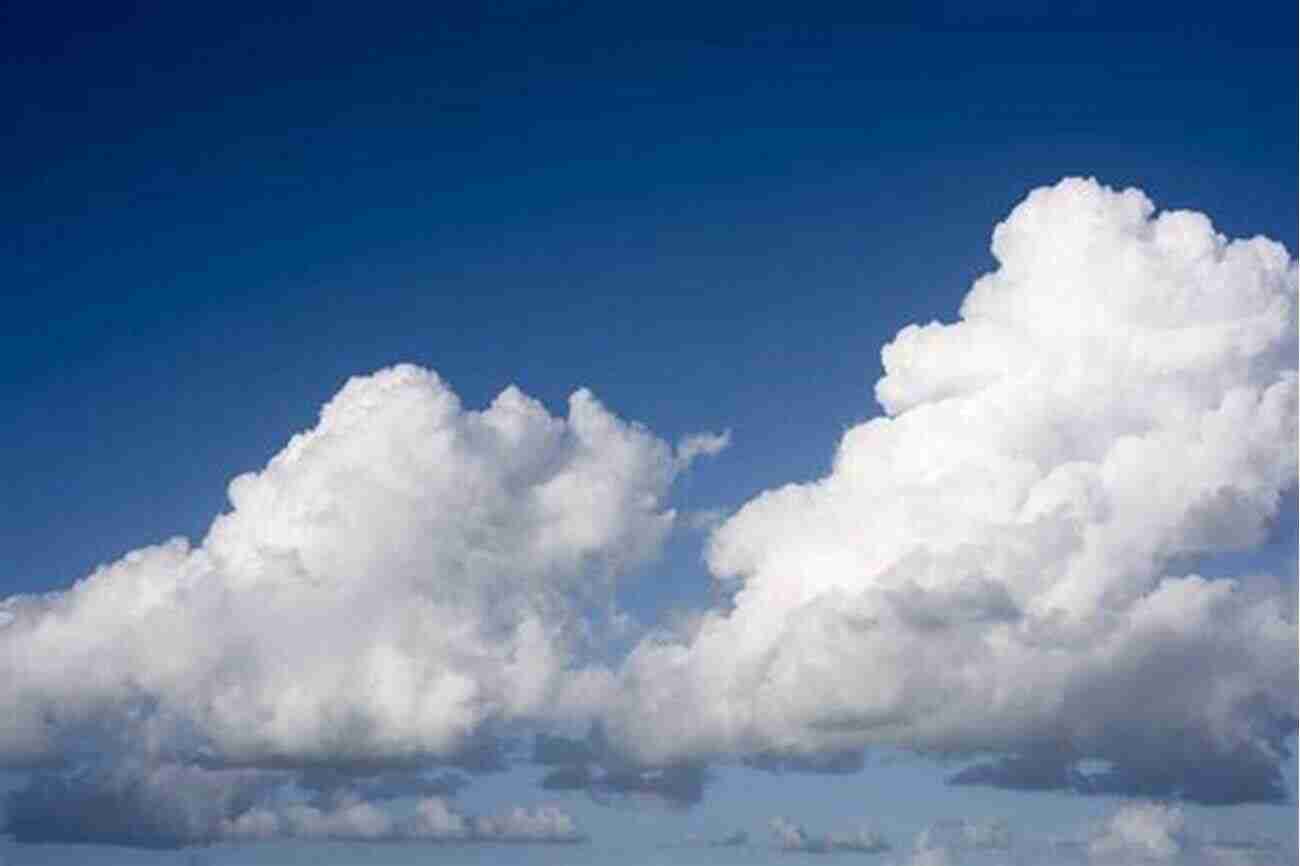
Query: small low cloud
{"type": "Point", "coordinates": [790, 836]}
{"type": "Point", "coordinates": [700, 445]}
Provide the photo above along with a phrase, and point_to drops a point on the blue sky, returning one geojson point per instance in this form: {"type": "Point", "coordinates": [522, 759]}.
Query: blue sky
{"type": "Point", "coordinates": [714, 220]}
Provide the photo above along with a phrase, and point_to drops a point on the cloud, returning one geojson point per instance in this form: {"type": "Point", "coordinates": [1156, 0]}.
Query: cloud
{"type": "Point", "coordinates": [967, 835]}
{"type": "Point", "coordinates": [680, 785]}
{"type": "Point", "coordinates": [790, 836]}
{"type": "Point", "coordinates": [553, 750]}
{"type": "Point", "coordinates": [700, 445]}
{"type": "Point", "coordinates": [836, 763]}
{"type": "Point", "coordinates": [1216, 783]}
{"type": "Point", "coordinates": [132, 804]}
{"type": "Point", "coordinates": [544, 824]}
{"type": "Point", "coordinates": [1005, 562]}
{"type": "Point", "coordinates": [1146, 831]}
{"type": "Point", "coordinates": [1151, 832]}
{"type": "Point", "coordinates": [330, 783]}
{"type": "Point", "coordinates": [171, 805]}
{"type": "Point", "coordinates": [431, 819]}
{"type": "Point", "coordinates": [735, 839]}
{"type": "Point", "coordinates": [394, 583]}
{"type": "Point", "coordinates": [1136, 832]}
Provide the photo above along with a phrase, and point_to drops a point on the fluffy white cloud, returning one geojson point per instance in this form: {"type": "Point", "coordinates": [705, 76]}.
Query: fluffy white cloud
{"type": "Point", "coordinates": [1147, 832]}
{"type": "Point", "coordinates": [1002, 562]}
{"type": "Point", "coordinates": [1143, 831]}
{"type": "Point", "coordinates": [393, 580]}
{"type": "Point", "coordinates": [544, 824]}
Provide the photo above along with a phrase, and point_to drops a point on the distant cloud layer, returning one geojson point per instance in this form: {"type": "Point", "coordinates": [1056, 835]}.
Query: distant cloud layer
{"type": "Point", "coordinates": [1007, 562]}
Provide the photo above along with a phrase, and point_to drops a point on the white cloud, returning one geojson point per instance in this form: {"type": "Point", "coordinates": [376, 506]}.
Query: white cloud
{"type": "Point", "coordinates": [1159, 833]}
{"type": "Point", "coordinates": [432, 819]}
{"type": "Point", "coordinates": [393, 580]}
{"type": "Point", "coordinates": [993, 566]}
{"type": "Point", "coordinates": [1142, 831]}
{"type": "Point", "coordinates": [790, 836]}
{"type": "Point", "coordinates": [700, 445]}
{"type": "Point", "coordinates": [543, 824]}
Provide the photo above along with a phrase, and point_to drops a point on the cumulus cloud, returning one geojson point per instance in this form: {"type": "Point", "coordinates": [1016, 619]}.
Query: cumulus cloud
{"type": "Point", "coordinates": [1151, 832]}
{"type": "Point", "coordinates": [394, 582]}
{"type": "Point", "coordinates": [1005, 561]}
{"type": "Point", "coordinates": [790, 836]}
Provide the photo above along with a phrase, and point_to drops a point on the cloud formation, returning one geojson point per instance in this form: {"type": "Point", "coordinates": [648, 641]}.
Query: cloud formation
{"type": "Point", "coordinates": [1006, 561]}
{"type": "Point", "coordinates": [396, 580]}
{"type": "Point", "coordinates": [1150, 832]}
{"type": "Point", "coordinates": [175, 805]}
{"type": "Point", "coordinates": [790, 836]}
{"type": "Point", "coordinates": [1136, 832]}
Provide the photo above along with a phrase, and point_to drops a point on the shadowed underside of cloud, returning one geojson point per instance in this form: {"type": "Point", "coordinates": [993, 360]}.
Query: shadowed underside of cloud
{"type": "Point", "coordinates": [590, 765]}
{"type": "Point", "coordinates": [169, 806]}
{"type": "Point", "coordinates": [989, 567]}
{"type": "Point", "coordinates": [1208, 785]}
{"type": "Point", "coordinates": [832, 762]}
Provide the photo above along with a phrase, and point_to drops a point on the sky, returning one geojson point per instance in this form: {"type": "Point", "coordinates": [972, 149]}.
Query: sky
{"type": "Point", "coordinates": [552, 433]}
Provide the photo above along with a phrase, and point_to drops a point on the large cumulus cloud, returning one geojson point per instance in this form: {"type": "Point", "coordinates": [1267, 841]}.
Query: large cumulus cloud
{"type": "Point", "coordinates": [396, 580]}
{"type": "Point", "coordinates": [1006, 561]}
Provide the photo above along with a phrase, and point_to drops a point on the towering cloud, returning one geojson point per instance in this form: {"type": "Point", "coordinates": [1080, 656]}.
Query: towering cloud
{"type": "Point", "coordinates": [396, 579]}
{"type": "Point", "coordinates": [1007, 560]}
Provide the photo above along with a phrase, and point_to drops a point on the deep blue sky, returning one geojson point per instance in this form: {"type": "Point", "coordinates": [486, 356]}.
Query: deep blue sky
{"type": "Point", "coordinates": [212, 219]}
{"type": "Point", "coordinates": [713, 219]}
